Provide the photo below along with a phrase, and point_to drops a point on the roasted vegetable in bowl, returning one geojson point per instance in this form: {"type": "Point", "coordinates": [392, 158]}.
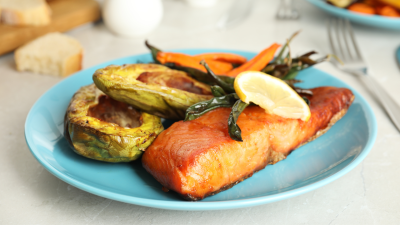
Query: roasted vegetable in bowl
{"type": "Point", "coordinates": [103, 129]}
{"type": "Point", "coordinates": [153, 88]}
{"type": "Point", "coordinates": [389, 8]}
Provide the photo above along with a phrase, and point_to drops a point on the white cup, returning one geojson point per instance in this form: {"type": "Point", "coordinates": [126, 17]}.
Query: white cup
{"type": "Point", "coordinates": [201, 3]}
{"type": "Point", "coordinates": [132, 18]}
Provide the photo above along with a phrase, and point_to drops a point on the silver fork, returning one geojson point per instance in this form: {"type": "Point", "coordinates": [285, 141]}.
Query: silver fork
{"type": "Point", "coordinates": [286, 11]}
{"type": "Point", "coordinates": [343, 44]}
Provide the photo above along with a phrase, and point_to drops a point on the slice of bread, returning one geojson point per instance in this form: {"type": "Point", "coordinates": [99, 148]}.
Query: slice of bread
{"type": "Point", "coordinates": [53, 54]}
{"type": "Point", "coordinates": [25, 12]}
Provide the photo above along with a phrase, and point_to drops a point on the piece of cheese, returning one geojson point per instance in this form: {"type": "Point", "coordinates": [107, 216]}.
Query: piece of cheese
{"type": "Point", "coordinates": [25, 12]}
{"type": "Point", "coordinates": [52, 54]}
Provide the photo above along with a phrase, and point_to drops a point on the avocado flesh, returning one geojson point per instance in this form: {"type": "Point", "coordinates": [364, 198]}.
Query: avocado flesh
{"type": "Point", "coordinates": [100, 128]}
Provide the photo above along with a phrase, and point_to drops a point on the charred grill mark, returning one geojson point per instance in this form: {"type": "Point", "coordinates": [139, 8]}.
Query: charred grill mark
{"type": "Point", "coordinates": [185, 85]}
{"type": "Point", "coordinates": [173, 80]}
{"type": "Point", "coordinates": [144, 77]}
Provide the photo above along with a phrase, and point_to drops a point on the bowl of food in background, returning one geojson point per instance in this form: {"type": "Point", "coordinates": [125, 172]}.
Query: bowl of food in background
{"type": "Point", "coordinates": [378, 13]}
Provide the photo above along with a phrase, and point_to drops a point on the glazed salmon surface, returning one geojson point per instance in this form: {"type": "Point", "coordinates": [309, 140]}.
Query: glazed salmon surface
{"type": "Point", "coordinates": [198, 158]}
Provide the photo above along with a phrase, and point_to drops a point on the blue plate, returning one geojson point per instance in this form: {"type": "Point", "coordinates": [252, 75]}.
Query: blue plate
{"type": "Point", "coordinates": [319, 162]}
{"type": "Point", "coordinates": [398, 56]}
{"type": "Point", "coordinates": [372, 20]}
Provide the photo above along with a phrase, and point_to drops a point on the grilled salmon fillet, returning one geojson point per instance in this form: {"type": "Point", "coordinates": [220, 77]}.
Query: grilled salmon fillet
{"type": "Point", "coordinates": [198, 158]}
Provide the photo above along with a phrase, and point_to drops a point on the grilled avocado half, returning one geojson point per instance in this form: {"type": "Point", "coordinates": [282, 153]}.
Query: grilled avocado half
{"type": "Point", "coordinates": [101, 128]}
{"type": "Point", "coordinates": [153, 88]}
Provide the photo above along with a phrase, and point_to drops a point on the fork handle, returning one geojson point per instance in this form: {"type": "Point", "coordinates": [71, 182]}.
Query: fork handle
{"type": "Point", "coordinates": [391, 107]}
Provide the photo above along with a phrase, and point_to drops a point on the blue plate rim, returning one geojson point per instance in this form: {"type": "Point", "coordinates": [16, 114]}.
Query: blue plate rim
{"type": "Point", "coordinates": [398, 56]}
{"type": "Point", "coordinates": [214, 205]}
{"type": "Point", "coordinates": [372, 20]}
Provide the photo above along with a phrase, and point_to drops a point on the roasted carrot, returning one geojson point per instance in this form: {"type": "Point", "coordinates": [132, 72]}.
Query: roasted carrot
{"type": "Point", "coordinates": [219, 67]}
{"type": "Point", "coordinates": [372, 3]}
{"type": "Point", "coordinates": [181, 59]}
{"type": "Point", "coordinates": [388, 11]}
{"type": "Point", "coordinates": [258, 62]}
{"type": "Point", "coordinates": [362, 8]}
{"type": "Point", "coordinates": [223, 57]}
{"type": "Point", "coordinates": [393, 3]}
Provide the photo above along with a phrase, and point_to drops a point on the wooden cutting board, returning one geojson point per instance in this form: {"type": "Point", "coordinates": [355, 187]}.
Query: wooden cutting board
{"type": "Point", "coordinates": [66, 14]}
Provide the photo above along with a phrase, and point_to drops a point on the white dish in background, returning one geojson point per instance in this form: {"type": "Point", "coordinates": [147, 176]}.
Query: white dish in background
{"type": "Point", "coordinates": [201, 3]}
{"type": "Point", "coordinates": [132, 18]}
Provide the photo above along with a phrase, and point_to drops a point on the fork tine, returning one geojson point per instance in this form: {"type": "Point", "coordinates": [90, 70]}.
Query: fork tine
{"type": "Point", "coordinates": [334, 39]}
{"type": "Point", "coordinates": [344, 27]}
{"type": "Point", "coordinates": [351, 33]}
{"type": "Point", "coordinates": [331, 39]}
{"type": "Point", "coordinates": [338, 40]}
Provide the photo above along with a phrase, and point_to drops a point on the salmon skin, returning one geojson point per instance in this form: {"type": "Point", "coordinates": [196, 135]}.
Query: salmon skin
{"type": "Point", "coordinates": [198, 158]}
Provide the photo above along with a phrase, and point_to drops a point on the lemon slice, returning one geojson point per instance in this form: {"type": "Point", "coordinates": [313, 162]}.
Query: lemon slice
{"type": "Point", "coordinates": [271, 94]}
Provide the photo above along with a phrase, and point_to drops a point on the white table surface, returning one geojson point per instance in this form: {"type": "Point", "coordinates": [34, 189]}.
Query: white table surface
{"type": "Point", "coordinates": [369, 194]}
